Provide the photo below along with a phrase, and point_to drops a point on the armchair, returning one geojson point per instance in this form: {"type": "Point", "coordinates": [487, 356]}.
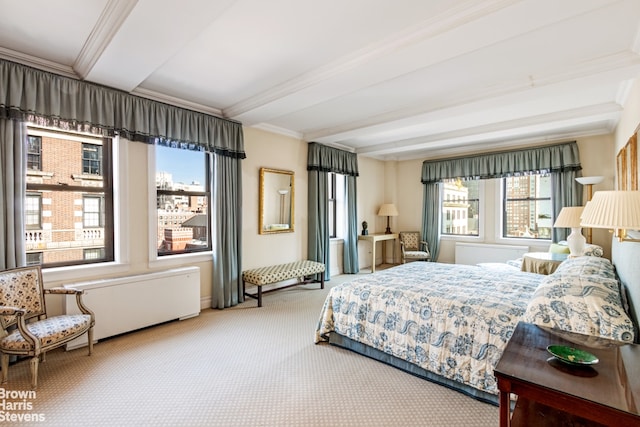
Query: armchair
{"type": "Point", "coordinates": [413, 248]}
{"type": "Point", "coordinates": [25, 328]}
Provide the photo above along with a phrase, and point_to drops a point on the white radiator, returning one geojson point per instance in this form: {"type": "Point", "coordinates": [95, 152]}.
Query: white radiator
{"type": "Point", "coordinates": [125, 304]}
{"type": "Point", "coordinates": [475, 253]}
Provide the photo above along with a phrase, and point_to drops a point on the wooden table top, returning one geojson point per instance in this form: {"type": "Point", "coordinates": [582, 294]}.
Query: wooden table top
{"type": "Point", "coordinates": [614, 381]}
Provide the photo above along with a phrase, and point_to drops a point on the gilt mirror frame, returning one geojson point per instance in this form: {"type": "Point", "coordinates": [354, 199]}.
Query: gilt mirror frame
{"type": "Point", "coordinates": [277, 197]}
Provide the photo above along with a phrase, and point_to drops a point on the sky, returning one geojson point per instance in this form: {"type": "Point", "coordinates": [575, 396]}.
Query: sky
{"type": "Point", "coordinates": [184, 165]}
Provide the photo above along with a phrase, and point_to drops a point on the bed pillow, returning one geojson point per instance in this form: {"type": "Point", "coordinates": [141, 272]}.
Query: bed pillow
{"type": "Point", "coordinates": [586, 266]}
{"type": "Point", "coordinates": [582, 296]}
{"type": "Point", "coordinates": [593, 250]}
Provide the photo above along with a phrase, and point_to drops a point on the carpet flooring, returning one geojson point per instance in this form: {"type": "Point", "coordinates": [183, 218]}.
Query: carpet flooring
{"type": "Point", "coordinates": [243, 366]}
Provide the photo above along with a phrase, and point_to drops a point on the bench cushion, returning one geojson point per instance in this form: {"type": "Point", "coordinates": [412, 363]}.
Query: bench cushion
{"type": "Point", "coordinates": [278, 273]}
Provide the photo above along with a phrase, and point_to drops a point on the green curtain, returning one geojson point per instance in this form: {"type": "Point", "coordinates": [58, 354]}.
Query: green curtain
{"type": "Point", "coordinates": [431, 218]}
{"type": "Point", "coordinates": [13, 165]}
{"type": "Point", "coordinates": [318, 227]}
{"type": "Point", "coordinates": [562, 161]}
{"type": "Point", "coordinates": [546, 159]}
{"type": "Point", "coordinates": [350, 257]}
{"type": "Point", "coordinates": [320, 161]}
{"type": "Point", "coordinates": [35, 96]}
{"type": "Point", "coordinates": [226, 232]}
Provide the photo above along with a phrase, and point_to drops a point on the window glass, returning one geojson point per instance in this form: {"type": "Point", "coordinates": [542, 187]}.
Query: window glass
{"type": "Point", "coordinates": [460, 204]}
{"type": "Point", "coordinates": [527, 208]}
{"type": "Point", "coordinates": [34, 144]}
{"type": "Point", "coordinates": [32, 211]}
{"type": "Point", "coordinates": [182, 201]}
{"type": "Point", "coordinates": [69, 203]}
{"type": "Point", "coordinates": [332, 205]}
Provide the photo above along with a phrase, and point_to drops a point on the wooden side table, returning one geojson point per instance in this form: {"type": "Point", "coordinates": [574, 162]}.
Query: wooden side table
{"type": "Point", "coordinates": [379, 237]}
{"type": "Point", "coordinates": [552, 393]}
{"type": "Point", "coordinates": [542, 262]}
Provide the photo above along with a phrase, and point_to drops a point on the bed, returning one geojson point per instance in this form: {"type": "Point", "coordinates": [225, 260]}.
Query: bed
{"type": "Point", "coordinates": [450, 323]}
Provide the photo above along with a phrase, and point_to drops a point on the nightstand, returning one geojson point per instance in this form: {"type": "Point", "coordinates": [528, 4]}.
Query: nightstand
{"type": "Point", "coordinates": [542, 262]}
{"type": "Point", "coordinates": [552, 393]}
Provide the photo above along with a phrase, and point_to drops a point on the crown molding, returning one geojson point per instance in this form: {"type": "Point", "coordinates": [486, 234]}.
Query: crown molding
{"type": "Point", "coordinates": [111, 19]}
{"type": "Point", "coordinates": [39, 63]}
{"type": "Point", "coordinates": [177, 102]}
{"type": "Point", "coordinates": [278, 130]}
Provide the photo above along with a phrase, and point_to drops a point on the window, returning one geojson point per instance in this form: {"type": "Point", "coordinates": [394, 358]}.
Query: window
{"type": "Point", "coordinates": [92, 212]}
{"type": "Point", "coordinates": [34, 153]}
{"type": "Point", "coordinates": [91, 159]}
{"type": "Point", "coordinates": [182, 201]}
{"type": "Point", "coordinates": [460, 207]}
{"type": "Point", "coordinates": [336, 204]}
{"type": "Point", "coordinates": [332, 205]}
{"type": "Point", "coordinates": [33, 211]}
{"type": "Point", "coordinates": [34, 258]}
{"type": "Point", "coordinates": [69, 204]}
{"type": "Point", "coordinates": [527, 207]}
{"type": "Point", "coordinates": [93, 253]}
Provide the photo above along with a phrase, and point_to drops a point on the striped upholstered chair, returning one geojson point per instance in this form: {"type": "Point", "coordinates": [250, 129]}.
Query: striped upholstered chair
{"type": "Point", "coordinates": [26, 330]}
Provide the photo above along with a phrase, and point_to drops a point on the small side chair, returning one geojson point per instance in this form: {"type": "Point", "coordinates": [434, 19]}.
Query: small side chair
{"type": "Point", "coordinates": [26, 330]}
{"type": "Point", "coordinates": [413, 248]}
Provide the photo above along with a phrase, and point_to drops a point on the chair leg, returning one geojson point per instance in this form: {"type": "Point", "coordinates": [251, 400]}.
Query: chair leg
{"type": "Point", "coordinates": [34, 371]}
{"type": "Point", "coordinates": [90, 338]}
{"type": "Point", "coordinates": [5, 367]}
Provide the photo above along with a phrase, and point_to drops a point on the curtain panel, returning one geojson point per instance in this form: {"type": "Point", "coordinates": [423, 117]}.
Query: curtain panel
{"type": "Point", "coordinates": [31, 95]}
{"type": "Point", "coordinates": [321, 160]}
{"type": "Point", "coordinates": [547, 159]}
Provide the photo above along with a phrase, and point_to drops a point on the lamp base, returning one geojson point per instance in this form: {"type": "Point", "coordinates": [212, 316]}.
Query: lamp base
{"type": "Point", "coordinates": [576, 242]}
{"type": "Point", "coordinates": [388, 230]}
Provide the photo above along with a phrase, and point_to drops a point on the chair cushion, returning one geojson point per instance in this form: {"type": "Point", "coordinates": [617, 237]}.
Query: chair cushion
{"type": "Point", "coordinates": [416, 254]}
{"type": "Point", "coordinates": [50, 331]}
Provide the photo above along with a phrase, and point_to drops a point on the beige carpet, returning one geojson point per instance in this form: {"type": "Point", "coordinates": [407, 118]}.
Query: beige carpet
{"type": "Point", "coordinates": [244, 366]}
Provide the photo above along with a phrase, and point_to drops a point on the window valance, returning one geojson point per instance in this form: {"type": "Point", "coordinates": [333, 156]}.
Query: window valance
{"type": "Point", "coordinates": [547, 159]}
{"type": "Point", "coordinates": [40, 97]}
{"type": "Point", "coordinates": [328, 159]}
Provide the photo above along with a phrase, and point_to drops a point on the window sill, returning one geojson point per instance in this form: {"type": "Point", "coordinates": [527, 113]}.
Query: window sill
{"type": "Point", "coordinates": [182, 259]}
{"type": "Point", "coordinates": [82, 272]}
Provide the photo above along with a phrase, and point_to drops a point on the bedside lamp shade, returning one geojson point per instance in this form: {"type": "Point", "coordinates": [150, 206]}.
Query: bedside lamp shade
{"type": "Point", "coordinates": [618, 210]}
{"type": "Point", "coordinates": [388, 210]}
{"type": "Point", "coordinates": [569, 217]}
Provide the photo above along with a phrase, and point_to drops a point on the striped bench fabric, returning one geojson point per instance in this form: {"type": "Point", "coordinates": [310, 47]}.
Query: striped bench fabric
{"type": "Point", "coordinates": [278, 273]}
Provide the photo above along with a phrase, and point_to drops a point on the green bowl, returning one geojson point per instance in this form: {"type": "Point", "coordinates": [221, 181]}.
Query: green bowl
{"type": "Point", "coordinates": [572, 356]}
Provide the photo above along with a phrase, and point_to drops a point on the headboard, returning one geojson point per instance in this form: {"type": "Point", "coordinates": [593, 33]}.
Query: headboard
{"type": "Point", "coordinates": [626, 258]}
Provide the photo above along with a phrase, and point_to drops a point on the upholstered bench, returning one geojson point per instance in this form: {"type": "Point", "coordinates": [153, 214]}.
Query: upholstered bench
{"type": "Point", "coordinates": [279, 273]}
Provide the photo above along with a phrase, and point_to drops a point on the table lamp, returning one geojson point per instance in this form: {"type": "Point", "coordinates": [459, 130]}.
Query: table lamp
{"type": "Point", "coordinates": [388, 210]}
{"type": "Point", "coordinates": [569, 217]}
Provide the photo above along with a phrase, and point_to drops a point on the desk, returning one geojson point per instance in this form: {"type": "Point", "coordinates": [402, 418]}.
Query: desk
{"type": "Point", "coordinates": [542, 262]}
{"type": "Point", "coordinates": [551, 393]}
{"type": "Point", "coordinates": [379, 237]}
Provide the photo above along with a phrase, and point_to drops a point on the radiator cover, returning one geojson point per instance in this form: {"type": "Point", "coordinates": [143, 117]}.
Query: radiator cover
{"type": "Point", "coordinates": [124, 304]}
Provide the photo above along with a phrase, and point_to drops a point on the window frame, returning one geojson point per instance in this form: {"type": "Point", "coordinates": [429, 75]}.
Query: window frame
{"type": "Point", "coordinates": [28, 225]}
{"type": "Point", "coordinates": [177, 259]}
{"type": "Point", "coordinates": [107, 189]}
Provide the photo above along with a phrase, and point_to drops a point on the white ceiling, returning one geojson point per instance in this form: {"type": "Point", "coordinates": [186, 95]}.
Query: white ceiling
{"type": "Point", "coordinates": [391, 80]}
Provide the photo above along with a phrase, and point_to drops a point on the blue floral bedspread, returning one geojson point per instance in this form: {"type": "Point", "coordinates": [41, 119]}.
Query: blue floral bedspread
{"type": "Point", "coordinates": [452, 320]}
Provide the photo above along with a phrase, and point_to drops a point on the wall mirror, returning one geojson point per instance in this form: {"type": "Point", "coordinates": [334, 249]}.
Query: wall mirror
{"type": "Point", "coordinates": [276, 201]}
